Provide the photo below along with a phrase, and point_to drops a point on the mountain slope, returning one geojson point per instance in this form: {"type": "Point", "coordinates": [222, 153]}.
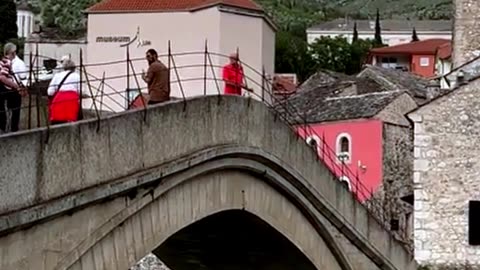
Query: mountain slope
{"type": "Point", "coordinates": [421, 9]}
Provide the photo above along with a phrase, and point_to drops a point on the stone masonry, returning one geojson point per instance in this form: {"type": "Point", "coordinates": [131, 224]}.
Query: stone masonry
{"type": "Point", "coordinates": [446, 176]}
{"type": "Point", "coordinates": [466, 37]}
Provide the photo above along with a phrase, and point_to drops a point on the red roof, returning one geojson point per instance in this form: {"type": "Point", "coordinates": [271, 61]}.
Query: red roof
{"type": "Point", "coordinates": [427, 46]}
{"type": "Point", "coordinates": [283, 85]}
{"type": "Point", "coordinates": [445, 51]}
{"type": "Point", "coordinates": [167, 5]}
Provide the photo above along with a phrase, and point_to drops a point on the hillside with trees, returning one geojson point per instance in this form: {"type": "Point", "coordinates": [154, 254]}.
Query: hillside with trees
{"type": "Point", "coordinates": [419, 9]}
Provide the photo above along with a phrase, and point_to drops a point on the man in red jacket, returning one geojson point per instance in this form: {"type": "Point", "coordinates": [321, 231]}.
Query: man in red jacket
{"type": "Point", "coordinates": [233, 76]}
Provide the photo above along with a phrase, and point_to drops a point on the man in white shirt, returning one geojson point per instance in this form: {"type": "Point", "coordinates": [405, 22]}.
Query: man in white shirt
{"type": "Point", "coordinates": [11, 97]}
{"type": "Point", "coordinates": [18, 66]}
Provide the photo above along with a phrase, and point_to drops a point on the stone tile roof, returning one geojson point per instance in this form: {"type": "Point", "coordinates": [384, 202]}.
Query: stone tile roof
{"type": "Point", "coordinates": [398, 80]}
{"type": "Point", "coordinates": [386, 25]}
{"type": "Point", "coordinates": [167, 5]}
{"type": "Point", "coordinates": [427, 47]}
{"type": "Point", "coordinates": [324, 77]}
{"type": "Point", "coordinates": [323, 104]}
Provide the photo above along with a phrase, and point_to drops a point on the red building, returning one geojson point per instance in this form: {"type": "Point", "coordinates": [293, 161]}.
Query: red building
{"type": "Point", "coordinates": [358, 128]}
{"type": "Point", "coordinates": [418, 57]}
{"type": "Point", "coordinates": [355, 146]}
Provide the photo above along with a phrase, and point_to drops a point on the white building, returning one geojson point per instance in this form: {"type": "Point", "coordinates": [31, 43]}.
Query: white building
{"type": "Point", "coordinates": [226, 26]}
{"type": "Point", "coordinates": [394, 32]}
{"type": "Point", "coordinates": [25, 20]}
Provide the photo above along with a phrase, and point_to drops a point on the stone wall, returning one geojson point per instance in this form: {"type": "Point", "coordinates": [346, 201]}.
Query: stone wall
{"type": "Point", "coordinates": [397, 177]}
{"type": "Point", "coordinates": [446, 176]}
{"type": "Point", "coordinates": [466, 36]}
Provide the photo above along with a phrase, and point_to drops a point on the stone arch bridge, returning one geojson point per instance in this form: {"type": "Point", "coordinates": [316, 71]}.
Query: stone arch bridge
{"type": "Point", "coordinates": [218, 184]}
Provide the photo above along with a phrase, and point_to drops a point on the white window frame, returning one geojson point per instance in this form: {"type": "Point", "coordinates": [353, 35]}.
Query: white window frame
{"type": "Point", "coordinates": [345, 179]}
{"type": "Point", "coordinates": [424, 61]}
{"type": "Point", "coordinates": [338, 148]}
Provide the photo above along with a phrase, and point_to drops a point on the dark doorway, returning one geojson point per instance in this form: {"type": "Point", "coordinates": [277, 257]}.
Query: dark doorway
{"type": "Point", "coordinates": [232, 239]}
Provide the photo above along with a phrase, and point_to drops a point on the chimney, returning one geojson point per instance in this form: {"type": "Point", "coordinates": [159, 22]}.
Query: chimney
{"type": "Point", "coordinates": [433, 89]}
{"type": "Point", "coordinates": [461, 78]}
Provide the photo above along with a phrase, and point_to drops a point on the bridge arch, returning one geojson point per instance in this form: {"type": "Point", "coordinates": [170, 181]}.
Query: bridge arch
{"type": "Point", "coordinates": [150, 220]}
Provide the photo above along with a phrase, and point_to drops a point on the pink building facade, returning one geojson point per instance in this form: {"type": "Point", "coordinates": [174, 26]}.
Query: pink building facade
{"type": "Point", "coordinates": [353, 151]}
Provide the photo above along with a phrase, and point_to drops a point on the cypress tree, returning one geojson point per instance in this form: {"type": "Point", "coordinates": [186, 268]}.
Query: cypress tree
{"type": "Point", "coordinates": [355, 33]}
{"type": "Point", "coordinates": [8, 22]}
{"type": "Point", "coordinates": [378, 30]}
{"type": "Point", "coordinates": [414, 35]}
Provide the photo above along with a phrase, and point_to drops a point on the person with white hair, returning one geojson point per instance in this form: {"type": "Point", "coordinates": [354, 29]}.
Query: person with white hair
{"type": "Point", "coordinates": [64, 91]}
{"type": "Point", "coordinates": [12, 71]}
{"type": "Point", "coordinates": [18, 66]}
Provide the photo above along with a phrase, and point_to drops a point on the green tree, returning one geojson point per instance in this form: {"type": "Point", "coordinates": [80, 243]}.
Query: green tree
{"type": "Point", "coordinates": [359, 53]}
{"type": "Point", "coordinates": [378, 30]}
{"type": "Point", "coordinates": [8, 22]}
{"type": "Point", "coordinates": [332, 53]}
{"type": "Point", "coordinates": [65, 15]}
{"type": "Point", "coordinates": [414, 35]}
{"type": "Point", "coordinates": [337, 54]}
{"type": "Point", "coordinates": [355, 33]}
{"type": "Point", "coordinates": [292, 55]}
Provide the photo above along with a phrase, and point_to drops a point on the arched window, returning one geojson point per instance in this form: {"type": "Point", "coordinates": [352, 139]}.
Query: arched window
{"type": "Point", "coordinates": [346, 182]}
{"type": "Point", "coordinates": [344, 147]}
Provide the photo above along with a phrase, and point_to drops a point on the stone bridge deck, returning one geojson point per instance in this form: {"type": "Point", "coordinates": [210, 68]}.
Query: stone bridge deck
{"type": "Point", "coordinates": [48, 174]}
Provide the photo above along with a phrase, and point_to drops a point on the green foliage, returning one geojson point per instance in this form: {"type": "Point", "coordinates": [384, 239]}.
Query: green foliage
{"type": "Point", "coordinates": [401, 9]}
{"type": "Point", "coordinates": [292, 15]}
{"type": "Point", "coordinates": [337, 54]}
{"type": "Point", "coordinates": [8, 22]}
{"type": "Point", "coordinates": [292, 55]}
{"type": "Point", "coordinates": [65, 15]}
{"type": "Point", "coordinates": [332, 53]}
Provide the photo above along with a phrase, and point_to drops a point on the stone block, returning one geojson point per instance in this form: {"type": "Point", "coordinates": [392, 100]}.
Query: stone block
{"type": "Point", "coordinates": [95, 151]}
{"type": "Point", "coordinates": [415, 117]}
{"type": "Point", "coordinates": [420, 165]}
{"type": "Point", "coordinates": [20, 160]}
{"type": "Point", "coordinates": [62, 159]}
{"type": "Point", "coordinates": [125, 137]}
{"type": "Point", "coordinates": [422, 140]}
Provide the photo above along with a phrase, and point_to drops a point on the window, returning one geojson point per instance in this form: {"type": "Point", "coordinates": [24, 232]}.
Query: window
{"type": "Point", "coordinates": [29, 26]}
{"type": "Point", "coordinates": [23, 26]}
{"type": "Point", "coordinates": [424, 61]}
{"type": "Point", "coordinates": [474, 223]}
{"type": "Point", "coordinates": [346, 182]}
{"type": "Point", "coordinates": [344, 148]}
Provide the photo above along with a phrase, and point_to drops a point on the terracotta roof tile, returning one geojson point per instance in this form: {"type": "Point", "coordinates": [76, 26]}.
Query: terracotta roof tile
{"type": "Point", "coordinates": [283, 85]}
{"type": "Point", "coordinates": [427, 46]}
{"type": "Point", "coordinates": [445, 51]}
{"type": "Point", "coordinates": [167, 5]}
